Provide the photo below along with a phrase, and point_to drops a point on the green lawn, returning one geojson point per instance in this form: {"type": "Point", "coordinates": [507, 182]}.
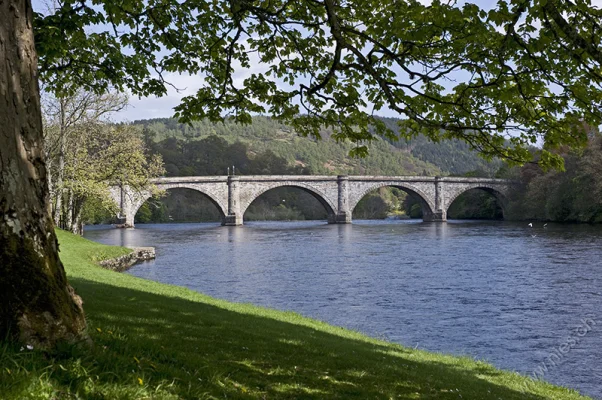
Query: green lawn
{"type": "Point", "coordinates": [155, 341]}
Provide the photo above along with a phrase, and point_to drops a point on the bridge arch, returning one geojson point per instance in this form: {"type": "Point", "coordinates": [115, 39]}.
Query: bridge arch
{"type": "Point", "coordinates": [499, 192]}
{"type": "Point", "coordinates": [426, 202]}
{"type": "Point", "coordinates": [222, 208]}
{"type": "Point", "coordinates": [318, 194]}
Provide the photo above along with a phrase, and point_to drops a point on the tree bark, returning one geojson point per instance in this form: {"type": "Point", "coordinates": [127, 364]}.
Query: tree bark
{"type": "Point", "coordinates": [37, 305]}
{"type": "Point", "coordinates": [58, 200]}
{"type": "Point", "coordinates": [67, 220]}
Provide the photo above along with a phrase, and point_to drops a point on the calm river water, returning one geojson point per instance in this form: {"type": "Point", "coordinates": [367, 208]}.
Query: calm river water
{"type": "Point", "coordinates": [515, 296]}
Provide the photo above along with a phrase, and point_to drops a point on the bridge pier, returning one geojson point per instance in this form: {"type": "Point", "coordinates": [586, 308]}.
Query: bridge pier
{"type": "Point", "coordinates": [125, 199]}
{"type": "Point", "coordinates": [437, 216]}
{"type": "Point", "coordinates": [234, 217]}
{"type": "Point", "coordinates": [129, 220]}
{"type": "Point", "coordinates": [342, 217]}
{"type": "Point", "coordinates": [232, 220]}
{"type": "Point", "coordinates": [124, 220]}
{"type": "Point", "coordinates": [343, 214]}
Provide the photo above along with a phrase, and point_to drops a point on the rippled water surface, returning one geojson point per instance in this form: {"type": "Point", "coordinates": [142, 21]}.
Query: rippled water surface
{"type": "Point", "coordinates": [515, 296]}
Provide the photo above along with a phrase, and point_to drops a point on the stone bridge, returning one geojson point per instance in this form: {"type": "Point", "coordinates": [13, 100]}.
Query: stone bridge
{"type": "Point", "coordinates": [339, 195]}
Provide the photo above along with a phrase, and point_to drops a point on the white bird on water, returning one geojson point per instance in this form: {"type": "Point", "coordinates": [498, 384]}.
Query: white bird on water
{"type": "Point", "coordinates": [531, 224]}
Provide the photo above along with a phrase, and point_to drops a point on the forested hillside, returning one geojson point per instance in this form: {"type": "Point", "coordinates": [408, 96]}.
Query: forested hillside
{"type": "Point", "coordinates": [324, 156]}
{"type": "Point", "coordinates": [574, 195]}
{"type": "Point", "coordinates": [453, 157]}
{"type": "Point", "coordinates": [268, 147]}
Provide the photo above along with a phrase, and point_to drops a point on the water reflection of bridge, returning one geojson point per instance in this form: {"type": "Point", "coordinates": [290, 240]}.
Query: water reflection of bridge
{"type": "Point", "coordinates": [338, 194]}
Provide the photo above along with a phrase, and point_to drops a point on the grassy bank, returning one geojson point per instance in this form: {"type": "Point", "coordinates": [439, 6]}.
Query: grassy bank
{"type": "Point", "coordinates": [155, 341]}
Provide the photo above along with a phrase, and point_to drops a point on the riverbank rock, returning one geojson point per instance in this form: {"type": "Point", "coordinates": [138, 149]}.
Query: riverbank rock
{"type": "Point", "coordinates": [126, 261]}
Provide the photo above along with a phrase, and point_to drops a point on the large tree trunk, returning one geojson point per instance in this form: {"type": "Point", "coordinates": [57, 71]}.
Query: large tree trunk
{"type": "Point", "coordinates": [37, 306]}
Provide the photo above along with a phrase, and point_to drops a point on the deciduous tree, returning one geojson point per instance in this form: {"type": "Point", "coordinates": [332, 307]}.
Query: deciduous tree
{"type": "Point", "coordinates": [66, 119]}
{"type": "Point", "coordinates": [85, 155]}
{"type": "Point", "coordinates": [98, 156]}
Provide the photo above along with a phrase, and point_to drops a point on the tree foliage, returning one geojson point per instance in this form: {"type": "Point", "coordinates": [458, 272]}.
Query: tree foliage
{"type": "Point", "coordinates": [213, 155]}
{"type": "Point", "coordinates": [571, 196]}
{"type": "Point", "coordinates": [381, 203]}
{"type": "Point", "coordinates": [65, 118]}
{"type": "Point", "coordinates": [95, 156]}
{"type": "Point", "coordinates": [475, 204]}
{"type": "Point", "coordinates": [500, 79]}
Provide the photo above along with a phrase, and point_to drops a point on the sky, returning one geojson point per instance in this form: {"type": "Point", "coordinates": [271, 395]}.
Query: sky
{"type": "Point", "coordinates": [162, 107]}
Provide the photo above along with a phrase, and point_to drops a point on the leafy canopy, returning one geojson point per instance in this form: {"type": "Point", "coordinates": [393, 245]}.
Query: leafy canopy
{"type": "Point", "coordinates": [500, 79]}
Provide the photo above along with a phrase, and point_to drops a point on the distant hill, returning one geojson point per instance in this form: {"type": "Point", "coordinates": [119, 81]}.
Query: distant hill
{"type": "Point", "coordinates": [417, 156]}
{"type": "Point", "coordinates": [453, 157]}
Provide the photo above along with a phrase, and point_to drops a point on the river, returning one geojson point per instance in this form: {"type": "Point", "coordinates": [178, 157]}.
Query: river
{"type": "Point", "coordinates": [524, 299]}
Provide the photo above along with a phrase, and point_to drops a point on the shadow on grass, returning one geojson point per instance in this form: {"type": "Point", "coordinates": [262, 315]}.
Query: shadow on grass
{"type": "Point", "coordinates": [153, 346]}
